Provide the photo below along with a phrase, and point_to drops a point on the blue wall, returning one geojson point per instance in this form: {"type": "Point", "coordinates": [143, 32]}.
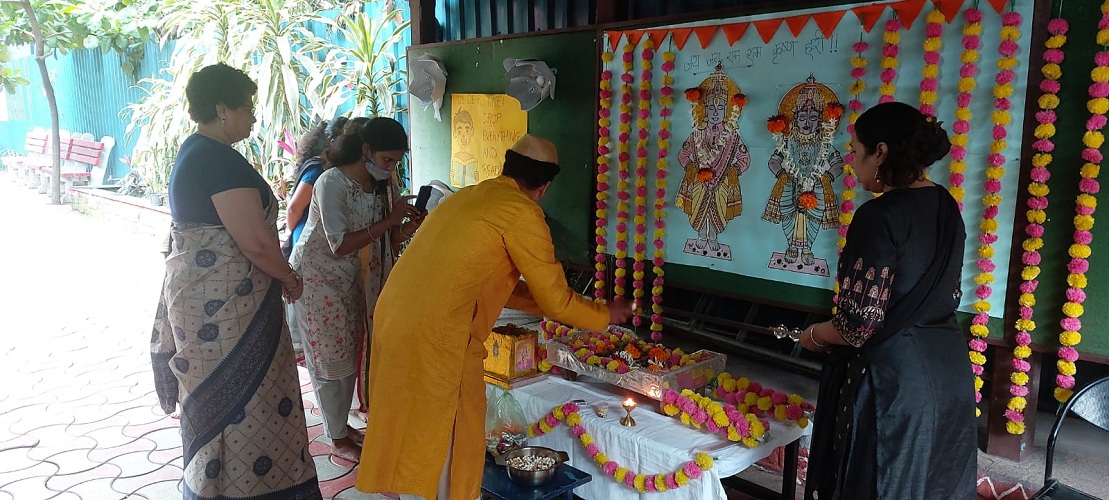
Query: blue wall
{"type": "Point", "coordinates": [91, 90]}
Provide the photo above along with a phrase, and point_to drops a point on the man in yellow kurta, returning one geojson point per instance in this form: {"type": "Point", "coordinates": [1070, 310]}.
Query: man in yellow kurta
{"type": "Point", "coordinates": [426, 425]}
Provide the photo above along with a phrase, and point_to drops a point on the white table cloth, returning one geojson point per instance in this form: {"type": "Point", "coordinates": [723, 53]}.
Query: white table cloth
{"type": "Point", "coordinates": [657, 444]}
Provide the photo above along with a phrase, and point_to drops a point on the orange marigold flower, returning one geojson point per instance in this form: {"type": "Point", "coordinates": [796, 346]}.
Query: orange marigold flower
{"type": "Point", "coordinates": [739, 101]}
{"type": "Point", "coordinates": [777, 124]}
{"type": "Point", "coordinates": [833, 111]}
{"type": "Point", "coordinates": [633, 351]}
{"type": "Point", "coordinates": [807, 200]}
{"type": "Point", "coordinates": [693, 94]}
{"type": "Point", "coordinates": [704, 174]}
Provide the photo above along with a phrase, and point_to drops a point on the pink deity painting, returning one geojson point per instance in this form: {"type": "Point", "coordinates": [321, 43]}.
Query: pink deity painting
{"type": "Point", "coordinates": [804, 162]}
{"type": "Point", "coordinates": [713, 157]}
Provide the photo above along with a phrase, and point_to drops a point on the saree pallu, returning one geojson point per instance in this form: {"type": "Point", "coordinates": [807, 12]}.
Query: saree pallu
{"type": "Point", "coordinates": [220, 347]}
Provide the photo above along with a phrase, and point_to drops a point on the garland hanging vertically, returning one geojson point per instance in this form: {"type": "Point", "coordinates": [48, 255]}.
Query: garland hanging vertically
{"type": "Point", "coordinates": [643, 124]}
{"type": "Point", "coordinates": [1007, 49]}
{"type": "Point", "coordinates": [855, 106]}
{"type": "Point", "coordinates": [622, 170]}
{"type": "Point", "coordinates": [667, 102]}
{"type": "Point", "coordinates": [890, 51]}
{"type": "Point", "coordinates": [1034, 231]}
{"type": "Point", "coordinates": [972, 32]}
{"type": "Point", "coordinates": [604, 122]}
{"type": "Point", "coordinates": [929, 81]}
{"type": "Point", "coordinates": [1088, 187]}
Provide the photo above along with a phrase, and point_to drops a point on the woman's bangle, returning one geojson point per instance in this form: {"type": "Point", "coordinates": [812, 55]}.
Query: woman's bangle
{"type": "Point", "coordinates": [406, 235]}
{"type": "Point", "coordinates": [370, 233]}
{"type": "Point", "coordinates": [812, 337]}
{"type": "Point", "coordinates": [292, 272]}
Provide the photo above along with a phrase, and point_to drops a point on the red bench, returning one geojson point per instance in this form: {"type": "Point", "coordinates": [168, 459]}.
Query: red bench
{"type": "Point", "coordinates": [84, 161]}
{"type": "Point", "coordinates": [36, 146]}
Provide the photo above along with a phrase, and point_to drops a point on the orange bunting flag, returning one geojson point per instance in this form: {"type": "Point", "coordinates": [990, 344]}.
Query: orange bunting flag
{"type": "Point", "coordinates": [767, 28]}
{"type": "Point", "coordinates": [869, 15]}
{"type": "Point", "coordinates": [949, 8]}
{"type": "Point", "coordinates": [681, 35]}
{"type": "Point", "coordinates": [705, 34]}
{"type": "Point", "coordinates": [907, 11]}
{"type": "Point", "coordinates": [614, 39]}
{"type": "Point", "coordinates": [657, 36]}
{"type": "Point", "coordinates": [634, 36]}
{"type": "Point", "coordinates": [797, 23]}
{"type": "Point", "coordinates": [828, 21]}
{"type": "Point", "coordinates": [999, 5]}
{"type": "Point", "coordinates": [733, 32]}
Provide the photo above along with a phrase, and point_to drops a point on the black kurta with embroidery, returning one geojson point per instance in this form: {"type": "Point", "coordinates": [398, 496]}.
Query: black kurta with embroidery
{"type": "Point", "coordinates": [895, 415]}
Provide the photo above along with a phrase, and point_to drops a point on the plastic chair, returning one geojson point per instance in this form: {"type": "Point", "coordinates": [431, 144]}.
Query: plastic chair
{"type": "Point", "coordinates": [1091, 403]}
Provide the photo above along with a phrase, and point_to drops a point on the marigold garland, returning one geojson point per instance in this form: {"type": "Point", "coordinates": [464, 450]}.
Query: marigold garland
{"type": "Point", "coordinates": [1037, 203]}
{"type": "Point", "coordinates": [667, 102]}
{"type": "Point", "coordinates": [890, 51]}
{"type": "Point", "coordinates": [643, 483]}
{"type": "Point", "coordinates": [698, 411]}
{"type": "Point", "coordinates": [1085, 206]}
{"type": "Point", "coordinates": [847, 207]}
{"type": "Point", "coordinates": [933, 42]}
{"type": "Point", "coordinates": [643, 124]}
{"type": "Point", "coordinates": [622, 171]}
{"type": "Point", "coordinates": [972, 32]}
{"type": "Point", "coordinates": [1001, 118]}
{"type": "Point", "coordinates": [753, 397]}
{"type": "Point", "coordinates": [604, 122]}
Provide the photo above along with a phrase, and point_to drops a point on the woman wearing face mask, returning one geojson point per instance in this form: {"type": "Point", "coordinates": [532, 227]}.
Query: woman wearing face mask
{"type": "Point", "coordinates": [352, 208]}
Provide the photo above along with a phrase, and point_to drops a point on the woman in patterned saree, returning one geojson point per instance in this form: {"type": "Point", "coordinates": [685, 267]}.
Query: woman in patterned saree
{"type": "Point", "coordinates": [352, 209]}
{"type": "Point", "coordinates": [220, 345]}
{"type": "Point", "coordinates": [895, 415]}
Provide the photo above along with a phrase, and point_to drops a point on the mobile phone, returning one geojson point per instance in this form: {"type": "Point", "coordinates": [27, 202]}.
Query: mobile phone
{"type": "Point", "coordinates": [422, 198]}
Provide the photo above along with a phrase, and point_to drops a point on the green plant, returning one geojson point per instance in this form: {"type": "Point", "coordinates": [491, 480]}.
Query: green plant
{"type": "Point", "coordinates": [367, 67]}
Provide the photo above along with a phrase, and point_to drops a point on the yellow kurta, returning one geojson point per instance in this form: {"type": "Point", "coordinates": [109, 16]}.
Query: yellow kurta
{"type": "Point", "coordinates": [438, 306]}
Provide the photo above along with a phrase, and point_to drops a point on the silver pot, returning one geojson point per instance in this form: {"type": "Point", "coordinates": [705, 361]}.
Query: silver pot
{"type": "Point", "coordinates": [532, 478]}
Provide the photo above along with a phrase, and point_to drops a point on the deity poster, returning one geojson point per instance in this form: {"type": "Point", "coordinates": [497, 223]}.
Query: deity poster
{"type": "Point", "coordinates": [483, 127]}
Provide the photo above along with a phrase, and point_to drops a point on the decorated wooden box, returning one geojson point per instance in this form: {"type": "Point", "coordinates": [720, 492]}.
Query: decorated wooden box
{"type": "Point", "coordinates": [620, 358]}
{"type": "Point", "coordinates": [510, 355]}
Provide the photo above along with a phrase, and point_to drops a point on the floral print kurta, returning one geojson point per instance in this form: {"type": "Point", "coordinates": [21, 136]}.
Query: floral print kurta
{"type": "Point", "coordinates": [334, 303]}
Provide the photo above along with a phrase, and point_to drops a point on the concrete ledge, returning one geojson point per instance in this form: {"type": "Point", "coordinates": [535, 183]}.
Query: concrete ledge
{"type": "Point", "coordinates": [137, 215]}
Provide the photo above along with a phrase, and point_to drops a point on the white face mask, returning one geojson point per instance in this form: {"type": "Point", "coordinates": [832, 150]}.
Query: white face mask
{"type": "Point", "coordinates": [376, 172]}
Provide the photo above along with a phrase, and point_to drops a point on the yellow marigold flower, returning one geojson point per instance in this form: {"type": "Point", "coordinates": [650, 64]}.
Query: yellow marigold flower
{"type": "Point", "coordinates": [1083, 222]}
{"type": "Point", "coordinates": [977, 358]}
{"type": "Point", "coordinates": [1103, 37]}
{"type": "Point", "coordinates": [857, 87]}
{"type": "Point", "coordinates": [765, 404]}
{"type": "Point", "coordinates": [1051, 71]}
{"type": "Point", "coordinates": [935, 17]}
{"type": "Point", "coordinates": [1019, 378]}
{"type": "Point", "coordinates": [985, 252]}
{"type": "Point", "coordinates": [545, 366]}
{"type": "Point", "coordinates": [1097, 104]}
{"type": "Point", "coordinates": [930, 71]}
{"type": "Point", "coordinates": [573, 419]}
{"type": "Point", "coordinates": [606, 56]}
{"type": "Point", "coordinates": [1041, 160]}
{"type": "Point", "coordinates": [928, 97]}
{"type": "Point", "coordinates": [1077, 280]}
{"type": "Point", "coordinates": [858, 62]}
{"type": "Point", "coordinates": [620, 474]}
{"type": "Point", "coordinates": [1037, 189]}
{"type": "Point", "coordinates": [1007, 63]}
{"type": "Point", "coordinates": [742, 383]}
{"type": "Point", "coordinates": [983, 278]}
{"type": "Point", "coordinates": [989, 225]}
{"type": "Point", "coordinates": [965, 85]}
{"type": "Point", "coordinates": [998, 146]}
{"type": "Point", "coordinates": [978, 383]}
{"type": "Point", "coordinates": [980, 306]}
{"type": "Point", "coordinates": [1048, 101]}
{"type": "Point", "coordinates": [795, 399]}
{"type": "Point", "coordinates": [1010, 33]}
{"type": "Point", "coordinates": [1085, 199]}
{"type": "Point", "coordinates": [969, 57]}
{"type": "Point", "coordinates": [544, 426]}
{"type": "Point", "coordinates": [703, 460]}
{"type": "Point", "coordinates": [1022, 351]}
{"type": "Point", "coordinates": [679, 477]}
{"type": "Point", "coordinates": [1017, 403]}
{"type": "Point", "coordinates": [848, 195]}
{"type": "Point", "coordinates": [841, 242]}
{"type": "Point", "coordinates": [593, 360]}
{"type": "Point", "coordinates": [1055, 41]}
{"type": "Point", "coordinates": [993, 173]}
{"type": "Point", "coordinates": [750, 399]}
{"type": "Point", "coordinates": [886, 89]}
{"type": "Point", "coordinates": [1027, 300]}
{"type": "Point", "coordinates": [959, 140]}
{"type": "Point", "coordinates": [733, 435]}
{"type": "Point", "coordinates": [660, 483]}
{"type": "Point", "coordinates": [1079, 251]}
{"type": "Point", "coordinates": [685, 419]}
{"type": "Point", "coordinates": [1014, 428]}
{"type": "Point", "coordinates": [977, 412]}
{"type": "Point", "coordinates": [891, 37]}
{"type": "Point", "coordinates": [669, 56]}
{"type": "Point", "coordinates": [586, 439]}
{"type": "Point", "coordinates": [888, 62]}
{"type": "Point", "coordinates": [1073, 309]}
{"type": "Point", "coordinates": [780, 412]}
{"type": "Point", "coordinates": [1066, 367]}
{"type": "Point", "coordinates": [640, 483]}
{"type": "Point", "coordinates": [1044, 130]}
{"type": "Point", "coordinates": [1070, 338]}
{"type": "Point", "coordinates": [973, 29]}
{"type": "Point", "coordinates": [1003, 90]}
{"type": "Point", "coordinates": [600, 458]}
{"type": "Point", "coordinates": [1030, 273]}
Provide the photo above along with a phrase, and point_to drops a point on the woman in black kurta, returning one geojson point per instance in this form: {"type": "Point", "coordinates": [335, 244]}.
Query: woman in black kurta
{"type": "Point", "coordinates": [895, 414]}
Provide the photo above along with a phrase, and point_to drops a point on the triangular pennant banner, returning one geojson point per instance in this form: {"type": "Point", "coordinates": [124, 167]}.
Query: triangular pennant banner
{"type": "Point", "coordinates": [767, 28]}
{"type": "Point", "coordinates": [657, 36]}
{"type": "Point", "coordinates": [869, 15]}
{"type": "Point", "coordinates": [907, 11]}
{"type": "Point", "coordinates": [949, 8]}
{"type": "Point", "coordinates": [999, 5]}
{"type": "Point", "coordinates": [681, 35]}
{"type": "Point", "coordinates": [704, 34]}
{"type": "Point", "coordinates": [634, 36]}
{"type": "Point", "coordinates": [733, 32]}
{"type": "Point", "coordinates": [614, 39]}
{"type": "Point", "coordinates": [828, 21]}
{"type": "Point", "coordinates": [797, 23]}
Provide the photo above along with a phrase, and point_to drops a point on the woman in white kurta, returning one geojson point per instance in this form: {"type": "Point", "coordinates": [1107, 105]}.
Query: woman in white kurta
{"type": "Point", "coordinates": [348, 212]}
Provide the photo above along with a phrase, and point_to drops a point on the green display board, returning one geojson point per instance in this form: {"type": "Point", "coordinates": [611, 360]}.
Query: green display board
{"type": "Point", "coordinates": [477, 68]}
{"type": "Point", "coordinates": [1059, 228]}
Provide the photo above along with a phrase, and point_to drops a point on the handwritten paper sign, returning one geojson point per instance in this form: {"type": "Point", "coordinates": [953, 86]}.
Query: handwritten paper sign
{"type": "Point", "coordinates": [483, 127]}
